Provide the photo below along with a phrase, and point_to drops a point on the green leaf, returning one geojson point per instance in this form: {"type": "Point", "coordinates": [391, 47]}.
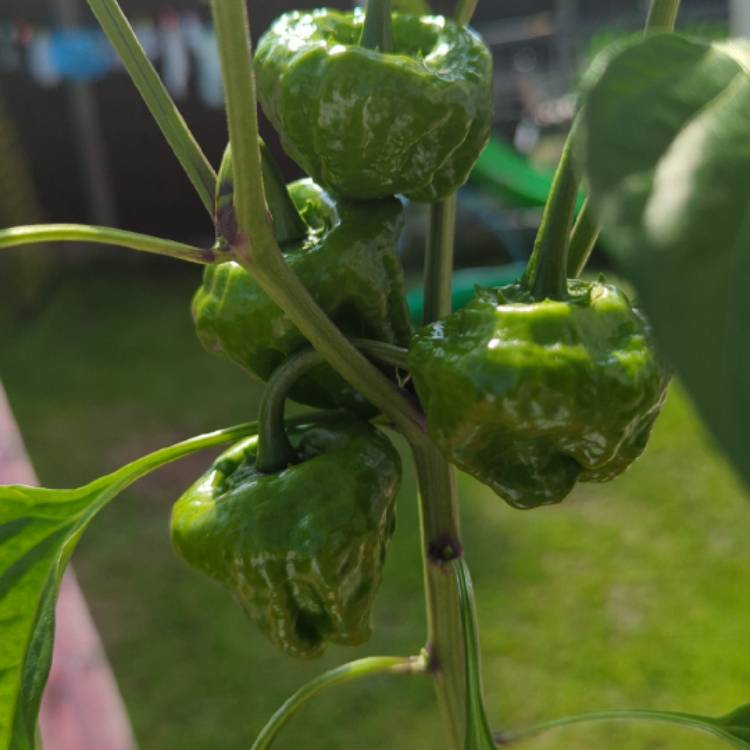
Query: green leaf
{"type": "Point", "coordinates": [39, 529]}
{"type": "Point", "coordinates": [478, 733]}
{"type": "Point", "coordinates": [665, 148]}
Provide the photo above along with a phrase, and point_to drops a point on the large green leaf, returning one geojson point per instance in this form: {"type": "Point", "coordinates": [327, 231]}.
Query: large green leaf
{"type": "Point", "coordinates": [39, 529]}
{"type": "Point", "coordinates": [665, 149]}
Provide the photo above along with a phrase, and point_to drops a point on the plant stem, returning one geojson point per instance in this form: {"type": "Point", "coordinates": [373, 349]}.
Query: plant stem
{"type": "Point", "coordinates": [663, 15]}
{"type": "Point", "coordinates": [41, 233]}
{"type": "Point", "coordinates": [582, 240]}
{"type": "Point", "coordinates": [377, 33]}
{"type": "Point", "coordinates": [257, 250]}
{"type": "Point", "coordinates": [368, 667]}
{"type": "Point", "coordinates": [438, 267]}
{"type": "Point", "coordinates": [668, 717]}
{"type": "Point", "coordinates": [464, 11]}
{"type": "Point", "coordinates": [156, 97]}
{"type": "Point", "coordinates": [546, 273]}
{"type": "Point", "coordinates": [439, 525]}
{"type": "Point", "coordinates": [438, 490]}
{"type": "Point", "coordinates": [275, 452]}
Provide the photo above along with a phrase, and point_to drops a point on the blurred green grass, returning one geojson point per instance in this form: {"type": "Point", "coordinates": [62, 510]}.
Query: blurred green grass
{"type": "Point", "coordinates": [635, 593]}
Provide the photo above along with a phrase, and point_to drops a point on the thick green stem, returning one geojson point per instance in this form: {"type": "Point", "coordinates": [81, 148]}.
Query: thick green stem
{"type": "Point", "coordinates": [438, 267]}
{"type": "Point", "coordinates": [546, 274]}
{"type": "Point", "coordinates": [439, 524]}
{"type": "Point", "coordinates": [582, 240]}
{"type": "Point", "coordinates": [257, 250]}
{"type": "Point", "coordinates": [438, 490]}
{"type": "Point", "coordinates": [145, 243]}
{"type": "Point", "coordinates": [626, 714]}
{"type": "Point", "coordinates": [163, 109]}
{"type": "Point", "coordinates": [464, 11]}
{"type": "Point", "coordinates": [368, 667]}
{"type": "Point", "coordinates": [377, 32]}
{"type": "Point", "coordinates": [663, 15]}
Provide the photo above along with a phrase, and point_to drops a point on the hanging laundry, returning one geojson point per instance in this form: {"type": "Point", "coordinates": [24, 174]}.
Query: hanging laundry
{"type": "Point", "coordinates": [81, 55]}
{"type": "Point", "coordinates": [39, 61]}
{"type": "Point", "coordinates": [181, 45]}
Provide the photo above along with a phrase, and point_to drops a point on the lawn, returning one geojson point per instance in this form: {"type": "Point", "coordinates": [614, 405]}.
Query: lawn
{"type": "Point", "coordinates": [634, 593]}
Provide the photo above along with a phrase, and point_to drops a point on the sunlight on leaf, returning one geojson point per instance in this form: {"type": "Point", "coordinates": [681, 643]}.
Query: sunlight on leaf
{"type": "Point", "coordinates": [39, 529]}
{"type": "Point", "coordinates": [665, 150]}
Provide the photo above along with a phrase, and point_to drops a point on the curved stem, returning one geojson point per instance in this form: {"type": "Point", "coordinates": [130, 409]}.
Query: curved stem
{"type": "Point", "coordinates": [156, 97]}
{"type": "Point", "coordinates": [438, 267]}
{"type": "Point", "coordinates": [377, 32]}
{"type": "Point", "coordinates": [663, 15]}
{"type": "Point", "coordinates": [546, 274]}
{"type": "Point", "coordinates": [368, 667]}
{"type": "Point", "coordinates": [257, 250]}
{"type": "Point", "coordinates": [40, 233]}
{"type": "Point", "coordinates": [275, 452]}
{"type": "Point", "coordinates": [582, 240]}
{"type": "Point", "coordinates": [626, 714]}
{"type": "Point", "coordinates": [464, 11]}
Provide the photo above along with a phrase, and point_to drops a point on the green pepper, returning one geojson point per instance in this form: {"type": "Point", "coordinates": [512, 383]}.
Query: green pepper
{"type": "Point", "coordinates": [367, 124]}
{"type": "Point", "coordinates": [347, 260]}
{"type": "Point", "coordinates": [301, 550]}
{"type": "Point", "coordinates": [531, 396]}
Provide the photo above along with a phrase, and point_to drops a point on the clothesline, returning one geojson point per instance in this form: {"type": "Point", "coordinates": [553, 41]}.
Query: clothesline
{"type": "Point", "coordinates": [181, 44]}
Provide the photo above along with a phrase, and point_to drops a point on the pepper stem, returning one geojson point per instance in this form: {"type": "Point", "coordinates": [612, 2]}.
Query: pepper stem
{"type": "Point", "coordinates": [378, 31]}
{"type": "Point", "coordinates": [275, 452]}
{"type": "Point", "coordinates": [546, 272]}
{"type": "Point", "coordinates": [288, 225]}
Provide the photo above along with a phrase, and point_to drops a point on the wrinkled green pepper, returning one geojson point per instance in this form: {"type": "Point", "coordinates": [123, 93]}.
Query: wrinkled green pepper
{"type": "Point", "coordinates": [302, 551]}
{"type": "Point", "coordinates": [530, 397]}
{"type": "Point", "coordinates": [367, 124]}
{"type": "Point", "coordinates": [347, 260]}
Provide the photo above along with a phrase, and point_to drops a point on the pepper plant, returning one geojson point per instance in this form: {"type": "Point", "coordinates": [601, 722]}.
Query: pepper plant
{"type": "Point", "coordinates": [530, 388]}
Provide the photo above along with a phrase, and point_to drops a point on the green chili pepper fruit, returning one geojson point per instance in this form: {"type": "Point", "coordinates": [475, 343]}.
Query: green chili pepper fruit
{"type": "Point", "coordinates": [366, 124]}
{"type": "Point", "coordinates": [349, 264]}
{"type": "Point", "coordinates": [302, 551]}
{"type": "Point", "coordinates": [530, 397]}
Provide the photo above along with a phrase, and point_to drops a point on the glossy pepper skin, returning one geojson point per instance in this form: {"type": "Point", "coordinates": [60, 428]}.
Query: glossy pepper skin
{"type": "Point", "coordinates": [347, 261]}
{"type": "Point", "coordinates": [530, 397]}
{"type": "Point", "coordinates": [302, 551]}
{"type": "Point", "coordinates": [366, 124]}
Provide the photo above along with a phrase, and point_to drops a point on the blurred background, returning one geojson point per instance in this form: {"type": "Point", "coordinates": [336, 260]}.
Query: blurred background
{"type": "Point", "coordinates": [629, 594]}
